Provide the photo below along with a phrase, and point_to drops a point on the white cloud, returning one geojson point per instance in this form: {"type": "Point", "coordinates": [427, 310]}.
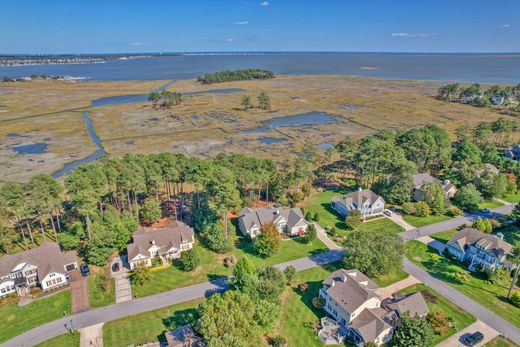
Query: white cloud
{"type": "Point", "coordinates": [405, 35]}
{"type": "Point", "coordinates": [241, 23]}
{"type": "Point", "coordinates": [264, 3]}
{"type": "Point", "coordinates": [505, 26]}
{"type": "Point", "coordinates": [137, 43]}
{"type": "Point", "coordinates": [229, 39]}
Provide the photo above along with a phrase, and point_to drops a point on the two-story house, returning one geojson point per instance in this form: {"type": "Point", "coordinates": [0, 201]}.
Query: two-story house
{"type": "Point", "coordinates": [163, 243]}
{"type": "Point", "coordinates": [488, 251]}
{"type": "Point", "coordinates": [366, 201]}
{"type": "Point", "coordinates": [45, 266]}
{"type": "Point", "coordinates": [421, 179]}
{"type": "Point", "coordinates": [290, 221]}
{"type": "Point", "coordinates": [352, 299]}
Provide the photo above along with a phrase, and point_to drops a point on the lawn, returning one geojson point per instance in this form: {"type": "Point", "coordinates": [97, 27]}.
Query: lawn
{"type": "Point", "coordinates": [422, 221]}
{"type": "Point", "coordinates": [391, 278]}
{"type": "Point", "coordinates": [492, 296]}
{"type": "Point", "coordinates": [381, 223]}
{"type": "Point", "coordinates": [21, 319]}
{"type": "Point", "coordinates": [513, 197]}
{"type": "Point", "coordinates": [489, 204]}
{"type": "Point", "coordinates": [98, 297]}
{"type": "Point", "coordinates": [461, 318]}
{"type": "Point", "coordinates": [319, 202]}
{"type": "Point", "coordinates": [148, 326]}
{"type": "Point", "coordinates": [511, 234]}
{"type": "Point", "coordinates": [65, 340]}
{"type": "Point", "coordinates": [444, 236]}
{"type": "Point", "coordinates": [500, 341]}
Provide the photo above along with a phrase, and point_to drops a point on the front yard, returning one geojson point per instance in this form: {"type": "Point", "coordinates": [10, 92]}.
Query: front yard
{"type": "Point", "coordinates": [422, 221]}
{"type": "Point", "coordinates": [68, 340]}
{"type": "Point", "coordinates": [513, 198]}
{"type": "Point", "coordinates": [461, 318]}
{"type": "Point", "coordinates": [492, 296]}
{"type": "Point", "coordinates": [319, 202]}
{"type": "Point", "coordinates": [489, 204]}
{"type": "Point", "coordinates": [20, 319]}
{"type": "Point", "coordinates": [500, 341]}
{"type": "Point", "coordinates": [98, 297]}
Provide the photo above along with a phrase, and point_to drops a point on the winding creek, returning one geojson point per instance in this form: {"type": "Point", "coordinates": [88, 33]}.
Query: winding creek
{"type": "Point", "coordinates": [119, 100]}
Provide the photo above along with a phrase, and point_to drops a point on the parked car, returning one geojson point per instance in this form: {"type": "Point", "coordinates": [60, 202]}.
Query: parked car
{"type": "Point", "coordinates": [85, 271]}
{"type": "Point", "coordinates": [473, 339]}
{"type": "Point", "coordinates": [388, 213]}
{"type": "Point", "coordinates": [115, 267]}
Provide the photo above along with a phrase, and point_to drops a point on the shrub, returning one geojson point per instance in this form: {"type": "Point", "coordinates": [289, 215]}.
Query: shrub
{"type": "Point", "coordinates": [311, 234]}
{"type": "Point", "coordinates": [268, 242]}
{"type": "Point", "coordinates": [278, 341]}
{"type": "Point", "coordinates": [455, 212]}
{"type": "Point", "coordinates": [422, 209]}
{"type": "Point", "coordinates": [308, 216]}
{"type": "Point", "coordinates": [230, 261]}
{"type": "Point", "coordinates": [515, 298]}
{"type": "Point", "coordinates": [140, 275]}
{"type": "Point", "coordinates": [156, 262]}
{"type": "Point", "coordinates": [353, 220]}
{"type": "Point", "coordinates": [189, 260]}
{"type": "Point", "coordinates": [303, 286]}
{"type": "Point", "coordinates": [318, 302]}
{"type": "Point", "coordinates": [495, 224]}
{"type": "Point", "coordinates": [409, 209]}
{"type": "Point", "coordinates": [290, 274]}
{"type": "Point", "coordinates": [483, 225]}
{"type": "Point", "coordinates": [317, 217]}
{"type": "Point", "coordinates": [439, 322]}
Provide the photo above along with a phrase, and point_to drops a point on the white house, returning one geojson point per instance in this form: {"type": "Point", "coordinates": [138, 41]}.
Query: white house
{"type": "Point", "coordinates": [289, 220]}
{"type": "Point", "coordinates": [364, 200]}
{"type": "Point", "coordinates": [45, 266]}
{"type": "Point", "coordinates": [163, 243]}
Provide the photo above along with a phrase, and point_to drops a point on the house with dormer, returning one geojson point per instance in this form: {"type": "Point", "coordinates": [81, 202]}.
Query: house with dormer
{"type": "Point", "coordinates": [420, 180]}
{"type": "Point", "coordinates": [45, 266]}
{"type": "Point", "coordinates": [353, 302]}
{"type": "Point", "coordinates": [290, 220]}
{"type": "Point", "coordinates": [366, 201]}
{"type": "Point", "coordinates": [164, 243]}
{"type": "Point", "coordinates": [479, 249]}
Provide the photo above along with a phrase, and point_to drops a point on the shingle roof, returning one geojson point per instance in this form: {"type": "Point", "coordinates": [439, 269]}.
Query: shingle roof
{"type": "Point", "coordinates": [414, 304]}
{"type": "Point", "coordinates": [421, 179]}
{"type": "Point", "coordinates": [47, 257]}
{"type": "Point", "coordinates": [165, 238]}
{"type": "Point", "coordinates": [358, 198]}
{"type": "Point", "coordinates": [350, 288]}
{"type": "Point", "coordinates": [184, 337]}
{"type": "Point", "coordinates": [370, 324]}
{"type": "Point", "coordinates": [490, 243]}
{"type": "Point", "coordinates": [267, 215]}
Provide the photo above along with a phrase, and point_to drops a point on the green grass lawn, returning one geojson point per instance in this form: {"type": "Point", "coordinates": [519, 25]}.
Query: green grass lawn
{"type": "Point", "coordinates": [444, 236]}
{"type": "Point", "coordinates": [512, 197]}
{"type": "Point", "coordinates": [492, 296]}
{"type": "Point", "coordinates": [500, 341]}
{"type": "Point", "coordinates": [98, 297]}
{"type": "Point", "coordinates": [511, 234]}
{"type": "Point", "coordinates": [20, 319]}
{"type": "Point", "coordinates": [422, 221]}
{"type": "Point", "coordinates": [148, 326]}
{"type": "Point", "coordinates": [381, 223]}
{"type": "Point", "coordinates": [489, 204]}
{"type": "Point", "coordinates": [461, 318]}
{"type": "Point", "coordinates": [65, 340]}
{"type": "Point", "coordinates": [391, 278]}
{"type": "Point", "coordinates": [319, 202]}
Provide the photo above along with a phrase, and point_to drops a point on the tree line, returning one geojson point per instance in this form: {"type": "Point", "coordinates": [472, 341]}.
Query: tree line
{"type": "Point", "coordinates": [236, 75]}
{"type": "Point", "coordinates": [165, 99]}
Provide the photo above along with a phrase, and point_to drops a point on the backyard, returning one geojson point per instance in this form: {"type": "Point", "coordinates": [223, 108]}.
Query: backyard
{"type": "Point", "coordinates": [436, 302]}
{"type": "Point", "coordinates": [492, 296]}
{"type": "Point", "coordinates": [20, 319]}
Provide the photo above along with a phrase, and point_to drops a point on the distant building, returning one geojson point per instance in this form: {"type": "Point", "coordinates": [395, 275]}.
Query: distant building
{"type": "Point", "coordinates": [290, 221]}
{"type": "Point", "coordinates": [421, 179]}
{"type": "Point", "coordinates": [497, 100]}
{"type": "Point", "coordinates": [351, 299]}
{"type": "Point", "coordinates": [488, 251]}
{"type": "Point", "coordinates": [513, 152]}
{"type": "Point", "coordinates": [164, 243]}
{"type": "Point", "coordinates": [45, 266]}
{"type": "Point", "coordinates": [366, 201]}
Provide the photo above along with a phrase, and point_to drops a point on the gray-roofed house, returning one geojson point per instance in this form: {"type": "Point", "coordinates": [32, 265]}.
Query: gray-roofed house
{"type": "Point", "coordinates": [165, 243]}
{"type": "Point", "coordinates": [351, 298]}
{"type": "Point", "coordinates": [364, 200]}
{"type": "Point", "coordinates": [513, 152]}
{"type": "Point", "coordinates": [45, 266]}
{"type": "Point", "coordinates": [488, 251]}
{"type": "Point", "coordinates": [421, 179]}
{"type": "Point", "coordinates": [290, 221]}
{"type": "Point", "coordinates": [184, 337]}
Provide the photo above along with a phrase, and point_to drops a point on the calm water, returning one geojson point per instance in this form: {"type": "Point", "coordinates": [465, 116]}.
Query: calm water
{"type": "Point", "coordinates": [301, 120]}
{"type": "Point", "coordinates": [270, 140]}
{"type": "Point", "coordinates": [36, 148]}
{"type": "Point", "coordinates": [499, 68]}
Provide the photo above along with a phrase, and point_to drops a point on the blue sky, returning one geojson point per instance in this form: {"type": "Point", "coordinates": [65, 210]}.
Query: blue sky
{"type": "Point", "coordinates": [95, 26]}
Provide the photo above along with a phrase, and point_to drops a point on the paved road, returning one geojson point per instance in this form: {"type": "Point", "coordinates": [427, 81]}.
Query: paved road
{"type": "Point", "coordinates": [480, 312]}
{"type": "Point", "coordinates": [154, 302]}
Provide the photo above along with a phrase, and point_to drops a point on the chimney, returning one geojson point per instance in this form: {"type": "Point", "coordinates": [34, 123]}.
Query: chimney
{"type": "Point", "coordinates": [500, 236]}
{"type": "Point", "coordinates": [359, 189]}
{"type": "Point", "coordinates": [344, 278]}
{"type": "Point", "coordinates": [277, 212]}
{"type": "Point", "coordinates": [333, 283]}
{"type": "Point", "coordinates": [152, 242]}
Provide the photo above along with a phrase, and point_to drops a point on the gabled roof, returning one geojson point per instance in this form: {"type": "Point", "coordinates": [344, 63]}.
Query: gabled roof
{"type": "Point", "coordinates": [350, 288]}
{"type": "Point", "coordinates": [370, 324]}
{"type": "Point", "coordinates": [266, 215]}
{"type": "Point", "coordinates": [421, 179]}
{"type": "Point", "coordinates": [47, 257]}
{"type": "Point", "coordinates": [414, 304]}
{"type": "Point", "coordinates": [472, 237]}
{"type": "Point", "coordinates": [173, 235]}
{"type": "Point", "coordinates": [357, 198]}
{"type": "Point", "coordinates": [184, 337]}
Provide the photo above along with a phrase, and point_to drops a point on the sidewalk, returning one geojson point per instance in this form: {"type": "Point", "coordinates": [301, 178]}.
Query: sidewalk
{"type": "Point", "coordinates": [455, 340]}
{"type": "Point", "coordinates": [91, 336]}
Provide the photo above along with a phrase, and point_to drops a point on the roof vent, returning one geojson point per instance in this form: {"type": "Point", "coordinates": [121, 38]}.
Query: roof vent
{"type": "Point", "coordinates": [500, 236]}
{"type": "Point", "coordinates": [277, 212]}
{"type": "Point", "coordinates": [344, 278]}
{"type": "Point", "coordinates": [359, 189]}
{"type": "Point", "coordinates": [152, 242]}
{"type": "Point", "coordinates": [333, 283]}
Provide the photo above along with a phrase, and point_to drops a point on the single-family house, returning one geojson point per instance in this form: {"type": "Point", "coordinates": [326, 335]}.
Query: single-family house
{"type": "Point", "coordinates": [364, 200]}
{"type": "Point", "coordinates": [165, 243]}
{"type": "Point", "coordinates": [290, 220]}
{"type": "Point", "coordinates": [513, 152]}
{"type": "Point", "coordinates": [497, 100]}
{"type": "Point", "coordinates": [352, 299]}
{"type": "Point", "coordinates": [488, 251]}
{"type": "Point", "coordinates": [45, 266]}
{"type": "Point", "coordinates": [421, 179]}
